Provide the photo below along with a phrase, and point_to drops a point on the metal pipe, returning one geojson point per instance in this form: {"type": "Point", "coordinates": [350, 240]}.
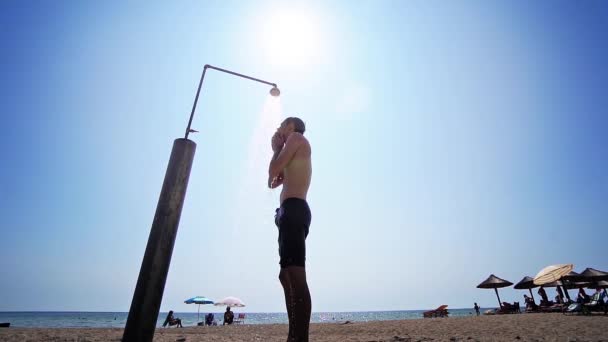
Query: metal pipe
{"type": "Point", "coordinates": [198, 91]}
{"type": "Point", "coordinates": [200, 84]}
{"type": "Point", "coordinates": [240, 75]}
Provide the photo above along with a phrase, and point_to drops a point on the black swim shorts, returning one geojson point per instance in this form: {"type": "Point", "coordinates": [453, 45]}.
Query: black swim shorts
{"type": "Point", "coordinates": [293, 220]}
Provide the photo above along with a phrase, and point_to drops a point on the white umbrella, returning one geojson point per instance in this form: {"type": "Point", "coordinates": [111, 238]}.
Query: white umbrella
{"type": "Point", "coordinates": [552, 273]}
{"type": "Point", "coordinates": [230, 301]}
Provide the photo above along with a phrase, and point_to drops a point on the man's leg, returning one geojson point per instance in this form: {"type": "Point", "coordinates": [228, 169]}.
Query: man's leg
{"type": "Point", "coordinates": [289, 301]}
{"type": "Point", "coordinates": [301, 302]}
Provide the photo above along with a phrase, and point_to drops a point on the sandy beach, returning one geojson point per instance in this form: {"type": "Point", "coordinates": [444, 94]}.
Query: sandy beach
{"type": "Point", "coordinates": [523, 327]}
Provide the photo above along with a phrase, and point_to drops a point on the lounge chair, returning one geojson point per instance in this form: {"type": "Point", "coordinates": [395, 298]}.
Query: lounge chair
{"type": "Point", "coordinates": [596, 304]}
{"type": "Point", "coordinates": [240, 319]}
{"type": "Point", "coordinates": [208, 319]}
{"type": "Point", "coordinates": [441, 311]}
{"type": "Point", "coordinates": [532, 307]}
{"type": "Point", "coordinates": [508, 308]}
{"type": "Point", "coordinates": [574, 308]}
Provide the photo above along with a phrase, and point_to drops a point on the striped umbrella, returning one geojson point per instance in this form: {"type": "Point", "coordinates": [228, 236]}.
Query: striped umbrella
{"type": "Point", "coordinates": [552, 273]}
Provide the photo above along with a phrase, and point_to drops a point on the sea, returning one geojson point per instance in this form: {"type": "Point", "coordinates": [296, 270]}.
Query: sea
{"type": "Point", "coordinates": [47, 319]}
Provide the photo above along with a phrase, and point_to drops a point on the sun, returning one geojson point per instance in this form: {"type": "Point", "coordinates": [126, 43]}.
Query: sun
{"type": "Point", "coordinates": [292, 38]}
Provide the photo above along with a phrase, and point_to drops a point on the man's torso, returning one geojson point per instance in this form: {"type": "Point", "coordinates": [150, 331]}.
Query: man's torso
{"type": "Point", "coordinates": [297, 174]}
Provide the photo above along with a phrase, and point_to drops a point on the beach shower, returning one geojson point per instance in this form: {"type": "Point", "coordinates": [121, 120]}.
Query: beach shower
{"type": "Point", "coordinates": [145, 306]}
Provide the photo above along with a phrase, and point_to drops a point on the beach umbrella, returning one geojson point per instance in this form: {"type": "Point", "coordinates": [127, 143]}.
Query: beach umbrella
{"type": "Point", "coordinates": [553, 284]}
{"type": "Point", "coordinates": [527, 283]}
{"type": "Point", "coordinates": [493, 282]}
{"type": "Point", "coordinates": [591, 274]}
{"type": "Point", "coordinates": [200, 300]}
{"type": "Point", "coordinates": [573, 277]}
{"type": "Point", "coordinates": [552, 273]}
{"type": "Point", "coordinates": [231, 302]}
{"type": "Point", "coordinates": [576, 285]}
{"type": "Point", "coordinates": [602, 284]}
{"type": "Point", "coordinates": [572, 280]}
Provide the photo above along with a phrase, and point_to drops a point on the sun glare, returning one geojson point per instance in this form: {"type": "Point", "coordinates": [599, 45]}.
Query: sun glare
{"type": "Point", "coordinates": [292, 38]}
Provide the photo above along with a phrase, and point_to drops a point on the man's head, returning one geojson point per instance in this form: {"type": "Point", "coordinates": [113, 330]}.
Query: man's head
{"type": "Point", "coordinates": [227, 308]}
{"type": "Point", "coordinates": [290, 125]}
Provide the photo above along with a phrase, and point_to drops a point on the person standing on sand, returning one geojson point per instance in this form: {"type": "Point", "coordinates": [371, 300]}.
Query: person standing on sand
{"type": "Point", "coordinates": [291, 167]}
{"type": "Point", "coordinates": [476, 307]}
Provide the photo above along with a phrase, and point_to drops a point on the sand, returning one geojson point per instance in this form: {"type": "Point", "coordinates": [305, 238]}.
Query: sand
{"type": "Point", "coordinates": [522, 327]}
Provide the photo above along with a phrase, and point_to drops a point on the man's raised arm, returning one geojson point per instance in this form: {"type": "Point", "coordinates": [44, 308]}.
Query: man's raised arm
{"type": "Point", "coordinates": [283, 156]}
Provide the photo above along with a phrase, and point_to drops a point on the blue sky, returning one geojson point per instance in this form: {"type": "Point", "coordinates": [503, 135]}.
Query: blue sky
{"type": "Point", "coordinates": [450, 140]}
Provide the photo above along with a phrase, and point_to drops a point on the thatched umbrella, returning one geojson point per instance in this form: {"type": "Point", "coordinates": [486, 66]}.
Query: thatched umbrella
{"type": "Point", "coordinates": [572, 280]}
{"type": "Point", "coordinates": [556, 283]}
{"type": "Point", "coordinates": [493, 282]}
{"type": "Point", "coordinates": [573, 277]}
{"type": "Point", "coordinates": [591, 274]}
{"type": "Point", "coordinates": [601, 284]}
{"type": "Point", "coordinates": [527, 283]}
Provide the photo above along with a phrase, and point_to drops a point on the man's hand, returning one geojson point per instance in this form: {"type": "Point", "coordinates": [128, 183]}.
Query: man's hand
{"type": "Point", "coordinates": [276, 181]}
{"type": "Point", "coordinates": [277, 142]}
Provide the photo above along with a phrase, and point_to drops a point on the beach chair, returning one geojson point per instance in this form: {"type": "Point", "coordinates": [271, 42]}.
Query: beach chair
{"type": "Point", "coordinates": [504, 309]}
{"type": "Point", "coordinates": [516, 307]}
{"type": "Point", "coordinates": [596, 304]}
{"type": "Point", "coordinates": [573, 308]}
{"type": "Point", "coordinates": [441, 311]}
{"type": "Point", "coordinates": [209, 319]}
{"type": "Point", "coordinates": [240, 319]}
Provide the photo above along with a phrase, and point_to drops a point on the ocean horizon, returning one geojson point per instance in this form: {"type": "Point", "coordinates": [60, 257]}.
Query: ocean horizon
{"type": "Point", "coordinates": [98, 319]}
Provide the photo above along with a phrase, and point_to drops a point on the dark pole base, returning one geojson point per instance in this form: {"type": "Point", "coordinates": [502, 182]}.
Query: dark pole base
{"type": "Point", "coordinates": [148, 295]}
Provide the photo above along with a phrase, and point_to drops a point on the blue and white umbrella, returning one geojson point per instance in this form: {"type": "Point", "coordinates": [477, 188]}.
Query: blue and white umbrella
{"type": "Point", "coordinates": [198, 300]}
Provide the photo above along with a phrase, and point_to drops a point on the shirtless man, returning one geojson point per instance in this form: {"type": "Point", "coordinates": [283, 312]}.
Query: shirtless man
{"type": "Point", "coordinates": [291, 167]}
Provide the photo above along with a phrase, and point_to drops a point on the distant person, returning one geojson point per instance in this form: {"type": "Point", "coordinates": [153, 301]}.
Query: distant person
{"type": "Point", "coordinates": [560, 295]}
{"type": "Point", "coordinates": [476, 307]}
{"type": "Point", "coordinates": [228, 316]}
{"type": "Point", "coordinates": [171, 321]}
{"type": "Point", "coordinates": [530, 304]}
{"type": "Point", "coordinates": [209, 319]}
{"type": "Point", "coordinates": [602, 295]}
{"type": "Point", "coordinates": [291, 167]}
{"type": "Point", "coordinates": [544, 299]}
{"type": "Point", "coordinates": [582, 297]}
